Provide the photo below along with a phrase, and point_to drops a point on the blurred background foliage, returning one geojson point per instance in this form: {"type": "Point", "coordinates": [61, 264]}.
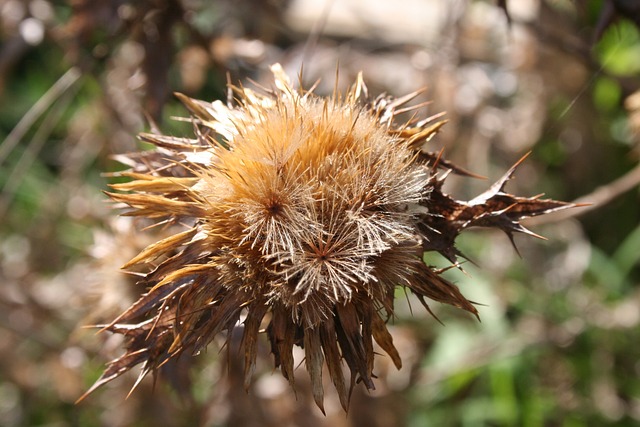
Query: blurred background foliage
{"type": "Point", "coordinates": [558, 341]}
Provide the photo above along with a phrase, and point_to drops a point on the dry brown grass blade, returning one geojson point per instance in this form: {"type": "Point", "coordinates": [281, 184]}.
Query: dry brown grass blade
{"type": "Point", "coordinates": [416, 140]}
{"type": "Point", "coordinates": [385, 339]}
{"type": "Point", "coordinates": [154, 184]}
{"type": "Point", "coordinates": [62, 91]}
{"type": "Point", "coordinates": [367, 336]}
{"type": "Point", "coordinates": [256, 312]}
{"type": "Point", "coordinates": [67, 80]}
{"type": "Point", "coordinates": [314, 363]}
{"type": "Point", "coordinates": [348, 329]}
{"type": "Point", "coordinates": [334, 362]}
{"type": "Point", "coordinates": [161, 247]}
{"type": "Point", "coordinates": [281, 334]}
{"type": "Point", "coordinates": [196, 107]}
{"type": "Point", "coordinates": [173, 143]}
{"type": "Point", "coordinates": [153, 206]}
{"type": "Point", "coordinates": [427, 283]}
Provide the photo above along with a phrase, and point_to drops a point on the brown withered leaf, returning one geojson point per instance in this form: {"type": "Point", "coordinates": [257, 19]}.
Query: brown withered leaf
{"type": "Point", "coordinates": [250, 339]}
{"type": "Point", "coordinates": [314, 360]}
{"type": "Point", "coordinates": [161, 247]}
{"type": "Point", "coordinates": [494, 208]}
{"type": "Point", "coordinates": [438, 162]}
{"type": "Point", "coordinates": [152, 206]}
{"type": "Point", "coordinates": [384, 339]}
{"type": "Point", "coordinates": [352, 343]}
{"type": "Point", "coordinates": [142, 347]}
{"type": "Point", "coordinates": [149, 183]}
{"type": "Point", "coordinates": [333, 357]}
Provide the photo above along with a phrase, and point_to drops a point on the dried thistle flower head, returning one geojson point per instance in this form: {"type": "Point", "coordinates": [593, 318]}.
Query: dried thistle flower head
{"type": "Point", "coordinates": [302, 214]}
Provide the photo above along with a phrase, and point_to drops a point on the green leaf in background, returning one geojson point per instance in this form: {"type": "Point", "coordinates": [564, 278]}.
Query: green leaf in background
{"type": "Point", "coordinates": [619, 49]}
{"type": "Point", "coordinates": [606, 94]}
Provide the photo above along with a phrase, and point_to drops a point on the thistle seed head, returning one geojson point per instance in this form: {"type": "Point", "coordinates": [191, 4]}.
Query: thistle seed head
{"type": "Point", "coordinates": [301, 214]}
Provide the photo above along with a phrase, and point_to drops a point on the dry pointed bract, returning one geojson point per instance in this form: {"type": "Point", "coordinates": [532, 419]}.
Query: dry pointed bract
{"type": "Point", "coordinates": [302, 215]}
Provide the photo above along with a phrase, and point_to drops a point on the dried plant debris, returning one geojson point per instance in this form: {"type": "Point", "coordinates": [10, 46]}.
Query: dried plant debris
{"type": "Point", "coordinates": [301, 216]}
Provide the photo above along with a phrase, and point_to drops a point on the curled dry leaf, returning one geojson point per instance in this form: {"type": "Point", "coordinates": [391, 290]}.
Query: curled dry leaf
{"type": "Point", "coordinates": [302, 215]}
